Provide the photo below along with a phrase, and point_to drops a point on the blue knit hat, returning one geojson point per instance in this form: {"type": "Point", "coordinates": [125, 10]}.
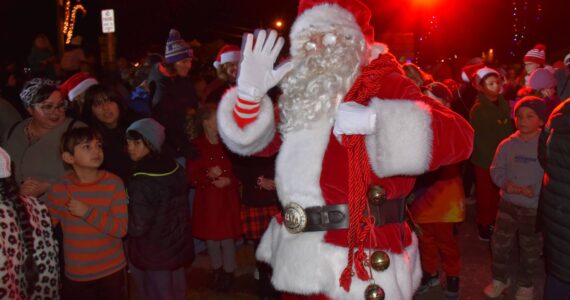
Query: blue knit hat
{"type": "Point", "coordinates": [176, 48]}
{"type": "Point", "coordinates": [151, 130]}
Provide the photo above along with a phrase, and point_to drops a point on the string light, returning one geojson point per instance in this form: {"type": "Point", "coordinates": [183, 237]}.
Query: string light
{"type": "Point", "coordinates": [70, 16]}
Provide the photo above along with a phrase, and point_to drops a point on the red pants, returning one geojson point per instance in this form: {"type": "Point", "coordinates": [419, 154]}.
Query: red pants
{"type": "Point", "coordinates": [436, 239]}
{"type": "Point", "coordinates": [287, 296]}
{"type": "Point", "coordinates": [487, 195]}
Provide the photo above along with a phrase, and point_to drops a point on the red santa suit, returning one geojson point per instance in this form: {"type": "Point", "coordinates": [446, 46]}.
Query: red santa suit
{"type": "Point", "coordinates": [313, 171]}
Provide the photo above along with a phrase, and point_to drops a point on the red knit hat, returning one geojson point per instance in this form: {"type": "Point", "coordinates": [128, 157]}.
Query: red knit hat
{"type": "Point", "coordinates": [228, 53]}
{"type": "Point", "coordinates": [77, 84]}
{"type": "Point", "coordinates": [353, 16]}
{"type": "Point", "coordinates": [536, 55]}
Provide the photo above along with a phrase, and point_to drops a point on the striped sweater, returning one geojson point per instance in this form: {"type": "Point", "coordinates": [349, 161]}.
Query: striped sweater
{"type": "Point", "coordinates": [93, 246]}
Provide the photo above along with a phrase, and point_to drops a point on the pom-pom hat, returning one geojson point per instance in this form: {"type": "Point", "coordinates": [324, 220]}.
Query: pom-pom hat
{"type": "Point", "coordinates": [536, 55]}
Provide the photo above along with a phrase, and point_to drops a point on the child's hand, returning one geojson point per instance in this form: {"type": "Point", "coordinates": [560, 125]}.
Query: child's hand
{"type": "Point", "coordinates": [264, 183]}
{"type": "Point", "coordinates": [511, 188]}
{"type": "Point", "coordinates": [221, 182]}
{"type": "Point", "coordinates": [527, 191]}
{"type": "Point", "coordinates": [77, 208]}
{"type": "Point", "coordinates": [214, 172]}
{"type": "Point", "coordinates": [33, 187]}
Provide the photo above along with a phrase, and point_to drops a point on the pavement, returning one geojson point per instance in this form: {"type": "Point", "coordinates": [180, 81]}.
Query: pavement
{"type": "Point", "coordinates": [475, 272]}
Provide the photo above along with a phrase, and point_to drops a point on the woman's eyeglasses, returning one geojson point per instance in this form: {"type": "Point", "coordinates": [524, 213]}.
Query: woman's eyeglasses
{"type": "Point", "coordinates": [48, 108]}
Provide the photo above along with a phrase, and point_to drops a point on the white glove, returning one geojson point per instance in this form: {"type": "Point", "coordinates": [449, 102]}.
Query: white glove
{"type": "Point", "coordinates": [354, 118]}
{"type": "Point", "coordinates": [256, 74]}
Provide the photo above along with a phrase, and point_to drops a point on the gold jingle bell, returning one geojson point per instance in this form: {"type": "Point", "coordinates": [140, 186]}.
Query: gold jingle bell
{"type": "Point", "coordinates": [376, 194]}
{"type": "Point", "coordinates": [374, 292]}
{"type": "Point", "coordinates": [379, 260]}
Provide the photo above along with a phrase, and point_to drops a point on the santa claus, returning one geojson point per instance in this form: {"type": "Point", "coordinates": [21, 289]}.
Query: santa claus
{"type": "Point", "coordinates": [353, 133]}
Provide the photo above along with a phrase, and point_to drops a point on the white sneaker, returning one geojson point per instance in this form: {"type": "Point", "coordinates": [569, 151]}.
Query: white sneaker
{"type": "Point", "coordinates": [525, 293]}
{"type": "Point", "coordinates": [496, 288]}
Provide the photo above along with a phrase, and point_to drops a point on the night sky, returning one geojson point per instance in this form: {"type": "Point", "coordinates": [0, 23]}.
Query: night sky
{"type": "Point", "coordinates": [464, 27]}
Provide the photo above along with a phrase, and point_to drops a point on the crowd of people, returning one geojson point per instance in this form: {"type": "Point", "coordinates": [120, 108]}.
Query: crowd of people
{"type": "Point", "coordinates": [104, 172]}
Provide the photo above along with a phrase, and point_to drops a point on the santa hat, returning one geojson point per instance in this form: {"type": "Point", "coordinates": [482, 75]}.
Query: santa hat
{"type": "Point", "coordinates": [469, 71]}
{"type": "Point", "coordinates": [228, 53]}
{"type": "Point", "coordinates": [536, 55]}
{"type": "Point", "coordinates": [567, 59]}
{"type": "Point", "coordinates": [176, 48]}
{"type": "Point", "coordinates": [77, 84]}
{"type": "Point", "coordinates": [5, 165]}
{"type": "Point", "coordinates": [351, 16]}
{"type": "Point", "coordinates": [482, 73]}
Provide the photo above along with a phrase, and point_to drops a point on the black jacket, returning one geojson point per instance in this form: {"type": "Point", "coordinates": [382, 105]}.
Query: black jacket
{"type": "Point", "coordinates": [554, 206]}
{"type": "Point", "coordinates": [159, 236]}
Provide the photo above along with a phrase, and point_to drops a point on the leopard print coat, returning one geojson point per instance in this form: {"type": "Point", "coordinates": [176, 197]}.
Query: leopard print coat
{"type": "Point", "coordinates": [13, 253]}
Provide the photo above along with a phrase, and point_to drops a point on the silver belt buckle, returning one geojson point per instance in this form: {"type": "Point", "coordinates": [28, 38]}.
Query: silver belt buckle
{"type": "Point", "coordinates": [294, 218]}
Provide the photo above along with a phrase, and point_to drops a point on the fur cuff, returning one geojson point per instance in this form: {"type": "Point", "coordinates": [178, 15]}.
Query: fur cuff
{"type": "Point", "coordinates": [253, 137]}
{"type": "Point", "coordinates": [402, 144]}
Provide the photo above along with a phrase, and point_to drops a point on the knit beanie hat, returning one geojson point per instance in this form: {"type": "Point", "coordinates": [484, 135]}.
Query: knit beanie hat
{"type": "Point", "coordinates": [534, 103]}
{"type": "Point", "coordinates": [5, 167]}
{"type": "Point", "coordinates": [536, 55]}
{"type": "Point", "coordinates": [32, 87]}
{"type": "Point", "coordinates": [176, 48]}
{"type": "Point", "coordinates": [541, 79]}
{"type": "Point", "coordinates": [228, 53]}
{"type": "Point", "coordinates": [77, 84]}
{"type": "Point", "coordinates": [151, 130]}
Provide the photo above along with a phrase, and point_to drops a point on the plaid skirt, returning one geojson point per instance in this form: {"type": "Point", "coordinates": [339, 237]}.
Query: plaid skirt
{"type": "Point", "coordinates": [255, 220]}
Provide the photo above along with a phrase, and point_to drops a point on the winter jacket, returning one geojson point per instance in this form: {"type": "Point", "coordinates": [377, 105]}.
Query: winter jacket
{"type": "Point", "coordinates": [159, 236]}
{"type": "Point", "coordinates": [492, 124]}
{"type": "Point", "coordinates": [554, 206]}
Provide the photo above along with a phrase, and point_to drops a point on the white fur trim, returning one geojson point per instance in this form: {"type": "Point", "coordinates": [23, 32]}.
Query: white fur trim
{"type": "Point", "coordinates": [377, 49]}
{"type": "Point", "coordinates": [253, 137]}
{"type": "Point", "coordinates": [81, 87]}
{"type": "Point", "coordinates": [229, 57]}
{"type": "Point", "coordinates": [402, 144]}
{"type": "Point", "coordinates": [305, 264]}
{"type": "Point", "coordinates": [323, 17]}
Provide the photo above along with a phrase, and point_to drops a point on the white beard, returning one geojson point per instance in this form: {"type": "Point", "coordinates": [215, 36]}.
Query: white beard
{"type": "Point", "coordinates": [321, 77]}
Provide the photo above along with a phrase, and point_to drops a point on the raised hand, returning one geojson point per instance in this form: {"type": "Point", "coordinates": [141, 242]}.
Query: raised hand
{"type": "Point", "coordinates": [256, 73]}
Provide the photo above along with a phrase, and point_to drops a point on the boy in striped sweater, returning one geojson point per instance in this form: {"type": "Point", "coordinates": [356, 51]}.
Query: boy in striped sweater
{"type": "Point", "coordinates": [91, 205]}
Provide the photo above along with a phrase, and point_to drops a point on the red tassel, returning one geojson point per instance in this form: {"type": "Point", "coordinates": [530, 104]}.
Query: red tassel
{"type": "Point", "coordinates": [361, 271]}
{"type": "Point", "coordinates": [346, 279]}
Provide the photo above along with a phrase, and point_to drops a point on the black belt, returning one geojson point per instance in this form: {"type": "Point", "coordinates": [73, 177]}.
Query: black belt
{"type": "Point", "coordinates": [333, 217]}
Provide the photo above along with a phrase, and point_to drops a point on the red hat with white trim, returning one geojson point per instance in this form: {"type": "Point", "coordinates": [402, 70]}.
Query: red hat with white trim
{"type": "Point", "coordinates": [77, 84]}
{"type": "Point", "coordinates": [536, 55]}
{"type": "Point", "coordinates": [350, 17]}
{"type": "Point", "coordinates": [482, 73]}
{"type": "Point", "coordinates": [469, 71]}
{"type": "Point", "coordinates": [228, 53]}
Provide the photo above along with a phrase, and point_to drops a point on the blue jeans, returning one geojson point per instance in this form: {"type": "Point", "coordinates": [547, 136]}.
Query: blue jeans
{"type": "Point", "coordinates": [556, 289]}
{"type": "Point", "coordinates": [159, 285]}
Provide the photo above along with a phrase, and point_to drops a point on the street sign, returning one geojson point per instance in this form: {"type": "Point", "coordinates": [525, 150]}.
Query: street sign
{"type": "Point", "coordinates": [108, 20]}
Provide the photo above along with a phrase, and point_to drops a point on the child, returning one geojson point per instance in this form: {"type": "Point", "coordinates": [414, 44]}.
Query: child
{"type": "Point", "coordinates": [27, 244]}
{"type": "Point", "coordinates": [517, 171]}
{"type": "Point", "coordinates": [91, 206]}
{"type": "Point", "coordinates": [543, 85]}
{"type": "Point", "coordinates": [535, 58]}
{"type": "Point", "coordinates": [216, 212]}
{"type": "Point", "coordinates": [438, 206]}
{"type": "Point", "coordinates": [490, 120]}
{"type": "Point", "coordinates": [159, 245]}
